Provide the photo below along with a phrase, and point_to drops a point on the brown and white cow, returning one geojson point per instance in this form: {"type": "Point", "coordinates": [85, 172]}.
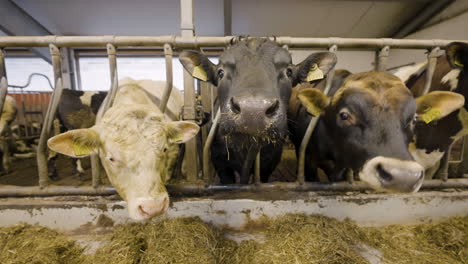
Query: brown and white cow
{"type": "Point", "coordinates": [137, 145]}
{"type": "Point", "coordinates": [367, 125]}
{"type": "Point", "coordinates": [9, 112]}
{"type": "Point", "coordinates": [434, 139]}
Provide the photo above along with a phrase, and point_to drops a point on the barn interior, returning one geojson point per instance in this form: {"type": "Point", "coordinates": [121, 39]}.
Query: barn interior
{"type": "Point", "coordinates": [87, 209]}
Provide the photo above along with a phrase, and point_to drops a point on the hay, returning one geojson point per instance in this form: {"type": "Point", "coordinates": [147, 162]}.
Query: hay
{"type": "Point", "coordinates": [36, 245]}
{"type": "Point", "coordinates": [288, 239]}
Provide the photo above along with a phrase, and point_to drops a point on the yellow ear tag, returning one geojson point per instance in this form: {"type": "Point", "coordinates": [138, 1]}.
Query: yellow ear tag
{"type": "Point", "coordinates": [81, 150]}
{"type": "Point", "coordinates": [199, 73]}
{"type": "Point", "coordinates": [457, 62]}
{"type": "Point", "coordinates": [430, 115]}
{"type": "Point", "coordinates": [315, 73]}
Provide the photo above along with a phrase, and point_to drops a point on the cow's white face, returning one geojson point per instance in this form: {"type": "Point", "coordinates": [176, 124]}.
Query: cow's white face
{"type": "Point", "coordinates": [138, 150]}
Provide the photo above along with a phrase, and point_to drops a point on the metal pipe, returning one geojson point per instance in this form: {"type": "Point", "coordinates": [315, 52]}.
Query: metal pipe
{"type": "Point", "coordinates": [331, 73]}
{"type": "Point", "coordinates": [198, 41]}
{"type": "Point", "coordinates": [207, 146]}
{"type": "Point", "coordinates": [257, 179]}
{"type": "Point", "coordinates": [382, 58]}
{"type": "Point", "coordinates": [195, 189]}
{"type": "Point", "coordinates": [49, 118]}
{"type": "Point", "coordinates": [432, 62]}
{"type": "Point", "coordinates": [168, 88]}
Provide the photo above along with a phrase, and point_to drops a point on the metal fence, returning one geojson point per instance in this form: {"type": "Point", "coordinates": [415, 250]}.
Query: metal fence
{"type": "Point", "coordinates": [194, 174]}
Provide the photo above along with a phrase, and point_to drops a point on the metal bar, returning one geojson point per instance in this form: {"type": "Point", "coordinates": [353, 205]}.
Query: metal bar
{"type": "Point", "coordinates": [207, 146]}
{"type": "Point", "coordinates": [168, 88]}
{"type": "Point", "coordinates": [195, 189]}
{"type": "Point", "coordinates": [331, 73]}
{"type": "Point", "coordinates": [199, 41]}
{"type": "Point", "coordinates": [432, 62]}
{"type": "Point", "coordinates": [49, 118]}
{"type": "Point", "coordinates": [3, 81]}
{"type": "Point", "coordinates": [382, 58]}
{"type": "Point", "coordinates": [257, 179]}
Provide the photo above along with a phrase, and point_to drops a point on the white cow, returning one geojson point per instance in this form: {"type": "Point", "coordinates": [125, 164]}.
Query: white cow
{"type": "Point", "coordinates": [136, 143]}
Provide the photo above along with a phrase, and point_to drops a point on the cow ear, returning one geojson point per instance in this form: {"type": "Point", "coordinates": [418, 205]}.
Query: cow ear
{"type": "Point", "coordinates": [181, 131]}
{"type": "Point", "coordinates": [314, 101]}
{"type": "Point", "coordinates": [457, 54]}
{"type": "Point", "coordinates": [314, 67]}
{"type": "Point", "coordinates": [76, 143]}
{"type": "Point", "coordinates": [198, 65]}
{"type": "Point", "coordinates": [437, 105]}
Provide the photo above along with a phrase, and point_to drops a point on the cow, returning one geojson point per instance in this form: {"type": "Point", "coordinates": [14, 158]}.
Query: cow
{"type": "Point", "coordinates": [434, 139]}
{"type": "Point", "coordinates": [254, 78]}
{"type": "Point", "coordinates": [76, 109]}
{"type": "Point", "coordinates": [367, 126]}
{"type": "Point", "coordinates": [137, 145]}
{"type": "Point", "coordinates": [9, 112]}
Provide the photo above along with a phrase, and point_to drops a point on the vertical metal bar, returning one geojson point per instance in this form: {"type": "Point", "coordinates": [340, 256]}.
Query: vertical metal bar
{"type": "Point", "coordinates": [310, 130]}
{"type": "Point", "coordinates": [382, 58]}
{"type": "Point", "coordinates": [49, 118]}
{"type": "Point", "coordinates": [257, 179]}
{"type": "Point", "coordinates": [95, 163]}
{"type": "Point", "coordinates": [168, 88]}
{"type": "Point", "coordinates": [432, 62]}
{"type": "Point", "coordinates": [206, 149]}
{"type": "Point", "coordinates": [331, 73]}
{"type": "Point", "coordinates": [191, 153]}
{"type": "Point", "coordinates": [3, 81]}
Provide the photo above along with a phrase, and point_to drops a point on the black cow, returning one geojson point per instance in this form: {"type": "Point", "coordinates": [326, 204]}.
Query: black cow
{"type": "Point", "coordinates": [77, 109]}
{"type": "Point", "coordinates": [254, 78]}
{"type": "Point", "coordinates": [434, 139]}
{"type": "Point", "coordinates": [367, 125]}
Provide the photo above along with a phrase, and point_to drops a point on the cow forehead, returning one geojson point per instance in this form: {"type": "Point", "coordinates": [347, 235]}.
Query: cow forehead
{"type": "Point", "coordinates": [255, 50]}
{"type": "Point", "coordinates": [376, 88]}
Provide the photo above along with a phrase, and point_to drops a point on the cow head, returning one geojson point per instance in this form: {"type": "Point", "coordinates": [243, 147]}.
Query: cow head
{"type": "Point", "coordinates": [136, 146]}
{"type": "Point", "coordinates": [254, 77]}
{"type": "Point", "coordinates": [370, 120]}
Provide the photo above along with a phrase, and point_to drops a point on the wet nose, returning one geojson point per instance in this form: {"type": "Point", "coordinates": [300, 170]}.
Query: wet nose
{"type": "Point", "coordinates": [406, 178]}
{"type": "Point", "coordinates": [254, 106]}
{"type": "Point", "coordinates": [153, 207]}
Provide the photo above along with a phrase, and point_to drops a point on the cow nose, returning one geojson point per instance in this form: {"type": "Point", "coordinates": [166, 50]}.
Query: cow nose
{"type": "Point", "coordinates": [153, 207]}
{"type": "Point", "coordinates": [253, 106]}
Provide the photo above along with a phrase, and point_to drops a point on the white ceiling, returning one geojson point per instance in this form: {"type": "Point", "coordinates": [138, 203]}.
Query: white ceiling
{"type": "Point", "coordinates": [345, 18]}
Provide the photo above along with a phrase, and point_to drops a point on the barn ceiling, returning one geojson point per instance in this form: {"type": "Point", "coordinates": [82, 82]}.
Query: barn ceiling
{"type": "Point", "coordinates": [306, 18]}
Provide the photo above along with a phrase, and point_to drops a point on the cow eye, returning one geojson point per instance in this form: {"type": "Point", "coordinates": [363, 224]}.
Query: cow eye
{"type": "Point", "coordinates": [344, 116]}
{"type": "Point", "coordinates": [111, 159]}
{"type": "Point", "coordinates": [289, 72]}
{"type": "Point", "coordinates": [220, 73]}
{"type": "Point", "coordinates": [165, 149]}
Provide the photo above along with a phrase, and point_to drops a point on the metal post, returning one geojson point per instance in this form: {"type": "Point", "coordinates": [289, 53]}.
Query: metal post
{"type": "Point", "coordinates": [432, 62]}
{"type": "Point", "coordinates": [257, 179]}
{"type": "Point", "coordinates": [112, 55]}
{"type": "Point", "coordinates": [49, 118]}
{"type": "Point", "coordinates": [3, 80]}
{"type": "Point", "coordinates": [191, 153]}
{"type": "Point", "coordinates": [382, 58]}
{"type": "Point", "coordinates": [207, 146]}
{"type": "Point", "coordinates": [310, 129]}
{"type": "Point", "coordinates": [168, 88]}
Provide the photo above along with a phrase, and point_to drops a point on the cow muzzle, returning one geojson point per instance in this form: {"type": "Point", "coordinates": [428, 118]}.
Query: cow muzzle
{"type": "Point", "coordinates": [147, 208]}
{"type": "Point", "coordinates": [392, 175]}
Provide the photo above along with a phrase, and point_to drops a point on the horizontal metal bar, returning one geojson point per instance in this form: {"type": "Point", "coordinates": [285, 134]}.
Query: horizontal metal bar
{"type": "Point", "coordinates": [193, 189]}
{"type": "Point", "coordinates": [199, 41]}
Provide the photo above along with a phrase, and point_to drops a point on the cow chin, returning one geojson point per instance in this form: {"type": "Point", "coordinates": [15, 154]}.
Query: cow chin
{"type": "Point", "coordinates": [392, 175]}
{"type": "Point", "coordinates": [145, 208]}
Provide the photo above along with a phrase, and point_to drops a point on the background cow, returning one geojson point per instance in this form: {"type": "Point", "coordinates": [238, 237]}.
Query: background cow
{"type": "Point", "coordinates": [76, 109]}
{"type": "Point", "coordinates": [9, 112]}
{"type": "Point", "coordinates": [367, 126]}
{"type": "Point", "coordinates": [434, 139]}
{"type": "Point", "coordinates": [137, 145]}
{"type": "Point", "coordinates": [254, 78]}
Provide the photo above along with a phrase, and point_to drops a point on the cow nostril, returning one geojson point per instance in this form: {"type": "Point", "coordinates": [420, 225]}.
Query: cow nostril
{"type": "Point", "coordinates": [235, 106]}
{"type": "Point", "coordinates": [272, 109]}
{"type": "Point", "coordinates": [421, 175]}
{"type": "Point", "coordinates": [142, 211]}
{"type": "Point", "coordinates": [383, 173]}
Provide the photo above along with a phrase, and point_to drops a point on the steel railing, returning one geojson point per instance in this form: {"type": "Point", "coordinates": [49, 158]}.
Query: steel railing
{"type": "Point", "coordinates": [168, 43]}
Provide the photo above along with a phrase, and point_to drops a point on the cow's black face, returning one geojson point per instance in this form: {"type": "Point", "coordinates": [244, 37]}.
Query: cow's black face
{"type": "Point", "coordinates": [370, 121]}
{"type": "Point", "coordinates": [254, 79]}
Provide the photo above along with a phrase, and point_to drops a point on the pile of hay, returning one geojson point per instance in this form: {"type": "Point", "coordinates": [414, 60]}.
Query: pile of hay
{"type": "Point", "coordinates": [288, 239]}
{"type": "Point", "coordinates": [34, 244]}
